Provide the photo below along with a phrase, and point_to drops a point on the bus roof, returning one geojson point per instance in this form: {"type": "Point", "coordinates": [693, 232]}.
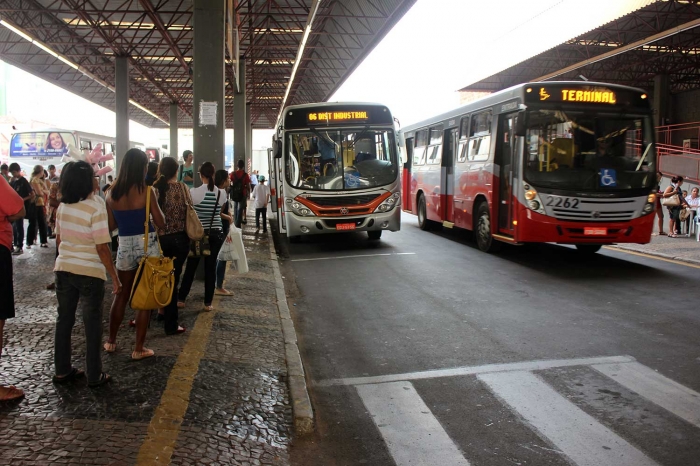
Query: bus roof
{"type": "Point", "coordinates": [505, 95]}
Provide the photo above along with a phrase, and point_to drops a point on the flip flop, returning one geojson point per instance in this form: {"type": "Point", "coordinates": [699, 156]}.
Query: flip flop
{"type": "Point", "coordinates": [208, 308]}
{"type": "Point", "coordinates": [143, 354]}
{"type": "Point", "coordinates": [12, 393]}
{"type": "Point", "coordinates": [69, 377]}
{"type": "Point", "coordinates": [110, 347]}
{"type": "Point", "coordinates": [104, 379]}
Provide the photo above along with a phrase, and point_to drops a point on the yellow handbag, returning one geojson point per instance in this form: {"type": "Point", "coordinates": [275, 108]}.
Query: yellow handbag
{"type": "Point", "coordinates": [155, 277]}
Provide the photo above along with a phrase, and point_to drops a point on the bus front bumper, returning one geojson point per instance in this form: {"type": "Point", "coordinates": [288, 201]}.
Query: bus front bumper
{"type": "Point", "coordinates": [297, 225]}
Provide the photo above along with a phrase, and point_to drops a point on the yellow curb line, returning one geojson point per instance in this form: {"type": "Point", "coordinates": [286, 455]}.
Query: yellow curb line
{"type": "Point", "coordinates": [159, 444]}
{"type": "Point", "coordinates": [650, 256]}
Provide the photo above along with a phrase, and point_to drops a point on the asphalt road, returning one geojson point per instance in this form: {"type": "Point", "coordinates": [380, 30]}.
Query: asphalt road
{"type": "Point", "coordinates": [599, 357]}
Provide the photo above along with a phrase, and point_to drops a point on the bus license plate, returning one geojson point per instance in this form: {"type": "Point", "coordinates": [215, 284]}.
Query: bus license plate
{"type": "Point", "coordinates": [345, 226]}
{"type": "Point", "coordinates": [595, 231]}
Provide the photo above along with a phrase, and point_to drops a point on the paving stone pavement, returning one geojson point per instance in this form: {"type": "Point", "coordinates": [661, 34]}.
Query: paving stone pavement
{"type": "Point", "coordinates": [684, 248]}
{"type": "Point", "coordinates": [237, 410]}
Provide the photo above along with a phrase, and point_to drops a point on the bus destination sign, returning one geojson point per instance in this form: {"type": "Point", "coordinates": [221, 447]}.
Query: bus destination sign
{"type": "Point", "coordinates": [333, 117]}
{"type": "Point", "coordinates": [571, 93]}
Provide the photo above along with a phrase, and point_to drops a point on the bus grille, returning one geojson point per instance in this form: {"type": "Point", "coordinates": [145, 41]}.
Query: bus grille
{"type": "Point", "coordinates": [343, 200]}
{"type": "Point", "coordinates": [592, 215]}
{"type": "Point", "coordinates": [598, 210]}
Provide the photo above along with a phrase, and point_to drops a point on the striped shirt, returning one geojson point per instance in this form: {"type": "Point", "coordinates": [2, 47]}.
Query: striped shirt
{"type": "Point", "coordinates": [82, 226]}
{"type": "Point", "coordinates": [204, 202]}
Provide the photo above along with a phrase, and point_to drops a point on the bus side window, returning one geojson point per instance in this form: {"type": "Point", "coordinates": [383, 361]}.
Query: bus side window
{"type": "Point", "coordinates": [419, 156]}
{"type": "Point", "coordinates": [434, 154]}
{"type": "Point", "coordinates": [480, 136]}
{"type": "Point", "coordinates": [85, 144]}
{"type": "Point", "coordinates": [462, 151]}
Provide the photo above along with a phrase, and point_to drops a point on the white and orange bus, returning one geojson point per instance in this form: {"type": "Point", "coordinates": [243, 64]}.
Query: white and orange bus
{"type": "Point", "coordinates": [334, 167]}
{"type": "Point", "coordinates": [561, 162]}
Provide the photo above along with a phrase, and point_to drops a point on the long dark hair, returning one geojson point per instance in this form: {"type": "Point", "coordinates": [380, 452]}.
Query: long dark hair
{"type": "Point", "coordinates": [132, 172]}
{"type": "Point", "coordinates": [220, 176]}
{"type": "Point", "coordinates": [166, 170]}
{"type": "Point", "coordinates": [207, 169]}
{"type": "Point", "coordinates": [76, 182]}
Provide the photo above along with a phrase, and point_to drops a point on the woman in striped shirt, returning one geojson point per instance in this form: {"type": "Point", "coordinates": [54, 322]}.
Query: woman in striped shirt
{"type": "Point", "coordinates": [207, 200]}
{"type": "Point", "coordinates": [82, 238]}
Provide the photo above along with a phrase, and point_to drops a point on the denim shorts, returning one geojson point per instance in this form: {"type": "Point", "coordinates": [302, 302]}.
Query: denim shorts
{"type": "Point", "coordinates": [130, 251]}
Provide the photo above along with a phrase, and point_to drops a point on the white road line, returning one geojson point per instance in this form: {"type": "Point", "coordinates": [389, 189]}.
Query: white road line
{"type": "Point", "coordinates": [411, 432]}
{"type": "Point", "coordinates": [471, 370]}
{"type": "Point", "coordinates": [670, 395]}
{"type": "Point", "coordinates": [353, 257]}
{"type": "Point", "coordinates": [583, 439]}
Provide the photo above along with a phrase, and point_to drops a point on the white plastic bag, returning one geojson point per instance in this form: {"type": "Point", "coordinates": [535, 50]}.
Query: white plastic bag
{"type": "Point", "coordinates": [233, 251]}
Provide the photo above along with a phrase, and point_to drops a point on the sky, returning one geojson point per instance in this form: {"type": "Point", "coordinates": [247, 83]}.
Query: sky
{"type": "Point", "coordinates": [437, 48]}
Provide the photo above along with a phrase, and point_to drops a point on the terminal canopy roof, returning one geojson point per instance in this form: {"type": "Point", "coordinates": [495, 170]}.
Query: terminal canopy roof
{"type": "Point", "coordinates": [72, 43]}
{"type": "Point", "coordinates": [660, 38]}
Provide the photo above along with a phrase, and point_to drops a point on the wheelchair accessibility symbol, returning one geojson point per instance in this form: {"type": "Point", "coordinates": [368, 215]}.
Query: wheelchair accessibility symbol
{"type": "Point", "coordinates": [608, 178]}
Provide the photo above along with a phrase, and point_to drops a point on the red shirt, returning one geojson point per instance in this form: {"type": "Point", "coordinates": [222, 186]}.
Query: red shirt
{"type": "Point", "coordinates": [246, 180]}
{"type": "Point", "coordinates": [10, 205]}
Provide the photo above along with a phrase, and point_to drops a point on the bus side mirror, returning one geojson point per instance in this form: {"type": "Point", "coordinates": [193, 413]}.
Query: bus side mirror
{"type": "Point", "coordinates": [520, 124]}
{"type": "Point", "coordinates": [277, 148]}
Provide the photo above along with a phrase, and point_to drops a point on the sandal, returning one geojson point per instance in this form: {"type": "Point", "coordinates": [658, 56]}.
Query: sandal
{"type": "Point", "coordinates": [180, 329]}
{"type": "Point", "coordinates": [143, 354]}
{"type": "Point", "coordinates": [180, 304]}
{"type": "Point", "coordinates": [208, 308]}
{"type": "Point", "coordinates": [662, 233]}
{"type": "Point", "coordinates": [222, 292]}
{"type": "Point", "coordinates": [110, 347]}
{"type": "Point", "coordinates": [104, 379]}
{"type": "Point", "coordinates": [69, 377]}
{"type": "Point", "coordinates": [12, 393]}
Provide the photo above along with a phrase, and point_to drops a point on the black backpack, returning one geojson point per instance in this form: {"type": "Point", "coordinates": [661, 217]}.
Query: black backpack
{"type": "Point", "coordinates": [236, 191]}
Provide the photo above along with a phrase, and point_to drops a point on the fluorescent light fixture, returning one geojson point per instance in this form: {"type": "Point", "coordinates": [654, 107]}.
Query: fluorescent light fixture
{"type": "Point", "coordinates": [73, 65]}
{"type": "Point", "coordinates": [300, 52]}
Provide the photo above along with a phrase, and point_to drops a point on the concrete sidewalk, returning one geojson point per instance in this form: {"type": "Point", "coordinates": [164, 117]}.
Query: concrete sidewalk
{"type": "Point", "coordinates": [685, 249]}
{"type": "Point", "coordinates": [217, 394]}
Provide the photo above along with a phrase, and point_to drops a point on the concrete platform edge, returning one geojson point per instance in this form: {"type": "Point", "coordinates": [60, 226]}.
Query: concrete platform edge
{"type": "Point", "coordinates": [298, 391]}
{"type": "Point", "coordinates": [623, 248]}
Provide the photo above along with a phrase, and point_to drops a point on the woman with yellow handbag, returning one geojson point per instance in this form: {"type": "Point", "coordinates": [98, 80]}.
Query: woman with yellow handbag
{"type": "Point", "coordinates": [126, 206]}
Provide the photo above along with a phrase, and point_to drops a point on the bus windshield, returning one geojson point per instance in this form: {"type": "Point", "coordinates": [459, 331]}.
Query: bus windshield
{"type": "Point", "coordinates": [589, 152]}
{"type": "Point", "coordinates": [335, 159]}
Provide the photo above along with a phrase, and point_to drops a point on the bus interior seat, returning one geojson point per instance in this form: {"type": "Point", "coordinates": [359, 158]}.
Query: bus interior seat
{"type": "Point", "coordinates": [362, 156]}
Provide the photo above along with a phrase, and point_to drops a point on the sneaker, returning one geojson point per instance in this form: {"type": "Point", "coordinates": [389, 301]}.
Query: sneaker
{"type": "Point", "coordinates": [16, 252]}
{"type": "Point", "coordinates": [29, 246]}
{"type": "Point", "coordinates": [44, 245]}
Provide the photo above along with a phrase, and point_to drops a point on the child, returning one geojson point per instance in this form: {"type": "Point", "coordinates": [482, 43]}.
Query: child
{"type": "Point", "coordinates": [261, 193]}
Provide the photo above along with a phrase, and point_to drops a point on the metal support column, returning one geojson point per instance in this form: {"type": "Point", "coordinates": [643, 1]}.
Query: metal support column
{"type": "Point", "coordinates": [239, 119]}
{"type": "Point", "coordinates": [209, 110]}
{"type": "Point", "coordinates": [662, 96]}
{"type": "Point", "coordinates": [172, 147]}
{"type": "Point", "coordinates": [248, 139]}
{"type": "Point", "coordinates": [121, 98]}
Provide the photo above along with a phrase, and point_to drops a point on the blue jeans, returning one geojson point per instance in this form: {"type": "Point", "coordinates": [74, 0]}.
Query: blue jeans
{"type": "Point", "coordinates": [215, 241]}
{"type": "Point", "coordinates": [175, 245]}
{"type": "Point", "coordinates": [220, 273]}
{"type": "Point", "coordinates": [239, 209]}
{"type": "Point", "coordinates": [90, 291]}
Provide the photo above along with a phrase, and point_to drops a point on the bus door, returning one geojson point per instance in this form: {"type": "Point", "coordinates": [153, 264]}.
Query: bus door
{"type": "Point", "coordinates": [450, 141]}
{"type": "Point", "coordinates": [407, 195]}
{"type": "Point", "coordinates": [271, 164]}
{"type": "Point", "coordinates": [505, 158]}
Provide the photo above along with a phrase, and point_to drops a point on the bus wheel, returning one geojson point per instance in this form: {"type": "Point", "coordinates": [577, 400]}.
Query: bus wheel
{"type": "Point", "coordinates": [374, 235]}
{"type": "Point", "coordinates": [423, 221]}
{"type": "Point", "coordinates": [588, 249]}
{"type": "Point", "coordinates": [484, 239]}
{"type": "Point", "coordinates": [295, 239]}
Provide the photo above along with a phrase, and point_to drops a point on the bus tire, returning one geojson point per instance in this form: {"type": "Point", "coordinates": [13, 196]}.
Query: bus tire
{"type": "Point", "coordinates": [482, 232]}
{"type": "Point", "coordinates": [588, 249]}
{"type": "Point", "coordinates": [295, 239]}
{"type": "Point", "coordinates": [423, 222]}
{"type": "Point", "coordinates": [374, 235]}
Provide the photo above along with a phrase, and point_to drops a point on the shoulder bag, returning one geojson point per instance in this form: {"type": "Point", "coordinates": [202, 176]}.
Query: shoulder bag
{"type": "Point", "coordinates": [154, 281]}
{"type": "Point", "coordinates": [671, 201]}
{"type": "Point", "coordinates": [201, 247]}
{"type": "Point", "coordinates": [193, 226]}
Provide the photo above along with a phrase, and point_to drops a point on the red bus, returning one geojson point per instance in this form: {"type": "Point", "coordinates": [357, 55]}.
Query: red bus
{"type": "Point", "coordinates": [561, 162]}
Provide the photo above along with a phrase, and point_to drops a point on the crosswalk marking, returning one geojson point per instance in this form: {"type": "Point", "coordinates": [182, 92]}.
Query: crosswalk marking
{"type": "Point", "coordinates": [411, 432]}
{"type": "Point", "coordinates": [583, 439]}
{"type": "Point", "coordinates": [473, 370]}
{"type": "Point", "coordinates": [670, 395]}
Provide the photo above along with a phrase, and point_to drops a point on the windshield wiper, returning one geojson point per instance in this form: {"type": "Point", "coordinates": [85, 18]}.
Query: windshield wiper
{"type": "Point", "coordinates": [644, 156]}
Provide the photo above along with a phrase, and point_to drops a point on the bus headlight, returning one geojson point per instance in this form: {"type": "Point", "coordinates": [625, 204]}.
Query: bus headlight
{"type": "Point", "coordinates": [650, 205]}
{"type": "Point", "coordinates": [651, 198]}
{"type": "Point", "coordinates": [299, 209]}
{"type": "Point", "coordinates": [532, 199]}
{"type": "Point", "coordinates": [389, 203]}
{"type": "Point", "coordinates": [648, 208]}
